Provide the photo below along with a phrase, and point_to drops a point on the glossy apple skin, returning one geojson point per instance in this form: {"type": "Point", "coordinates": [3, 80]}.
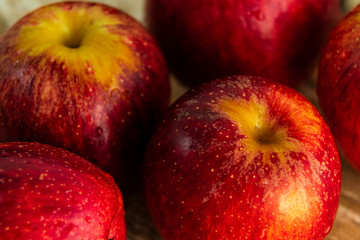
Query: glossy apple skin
{"type": "Point", "coordinates": [50, 193]}
{"type": "Point", "coordinates": [203, 40]}
{"type": "Point", "coordinates": [212, 170]}
{"type": "Point", "coordinates": [338, 85]}
{"type": "Point", "coordinates": [99, 99]}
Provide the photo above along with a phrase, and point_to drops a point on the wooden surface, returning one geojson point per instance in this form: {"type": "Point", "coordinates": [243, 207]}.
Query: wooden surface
{"type": "Point", "coordinates": [139, 226]}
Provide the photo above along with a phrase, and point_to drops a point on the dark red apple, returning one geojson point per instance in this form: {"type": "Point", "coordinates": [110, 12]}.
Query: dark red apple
{"type": "Point", "coordinates": [50, 193]}
{"type": "Point", "coordinates": [206, 39]}
{"type": "Point", "coordinates": [85, 77]}
{"type": "Point", "coordinates": [242, 158]}
{"type": "Point", "coordinates": [338, 86]}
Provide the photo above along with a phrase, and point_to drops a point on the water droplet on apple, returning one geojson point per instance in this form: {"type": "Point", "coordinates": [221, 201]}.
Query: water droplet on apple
{"type": "Point", "coordinates": [218, 123]}
{"type": "Point", "coordinates": [257, 13]}
{"type": "Point", "coordinates": [89, 70]}
{"type": "Point", "coordinates": [115, 92]}
{"type": "Point", "coordinates": [4, 154]}
{"type": "Point", "coordinates": [99, 131]}
{"type": "Point", "coordinates": [345, 55]}
{"type": "Point", "coordinates": [327, 230]}
{"type": "Point", "coordinates": [89, 118]}
{"type": "Point", "coordinates": [101, 143]}
{"type": "Point", "coordinates": [186, 127]}
{"type": "Point", "coordinates": [88, 219]}
{"type": "Point", "coordinates": [260, 16]}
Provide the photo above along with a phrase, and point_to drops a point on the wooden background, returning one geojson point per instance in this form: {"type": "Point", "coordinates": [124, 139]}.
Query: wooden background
{"type": "Point", "coordinates": [139, 226]}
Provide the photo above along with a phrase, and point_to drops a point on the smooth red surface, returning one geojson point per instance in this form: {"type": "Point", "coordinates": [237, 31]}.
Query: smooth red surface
{"type": "Point", "coordinates": [49, 193]}
{"type": "Point", "coordinates": [42, 100]}
{"type": "Point", "coordinates": [339, 86]}
{"type": "Point", "coordinates": [206, 39]}
{"type": "Point", "coordinates": [203, 180]}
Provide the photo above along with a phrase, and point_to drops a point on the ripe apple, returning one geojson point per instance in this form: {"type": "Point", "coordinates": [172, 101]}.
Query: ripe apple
{"type": "Point", "coordinates": [85, 77]}
{"type": "Point", "coordinates": [203, 40]}
{"type": "Point", "coordinates": [338, 85]}
{"type": "Point", "coordinates": [50, 193]}
{"type": "Point", "coordinates": [242, 158]}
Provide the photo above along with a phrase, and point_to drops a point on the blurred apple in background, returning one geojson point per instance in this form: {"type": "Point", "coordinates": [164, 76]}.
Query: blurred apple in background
{"type": "Point", "coordinates": [203, 40]}
{"type": "Point", "coordinates": [49, 193]}
{"type": "Point", "coordinates": [339, 85]}
{"type": "Point", "coordinates": [242, 158]}
{"type": "Point", "coordinates": [85, 77]}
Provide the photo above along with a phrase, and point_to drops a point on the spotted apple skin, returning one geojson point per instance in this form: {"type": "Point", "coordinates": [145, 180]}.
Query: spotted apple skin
{"type": "Point", "coordinates": [50, 193]}
{"type": "Point", "coordinates": [203, 40]}
{"type": "Point", "coordinates": [242, 158]}
{"type": "Point", "coordinates": [338, 85]}
{"type": "Point", "coordinates": [85, 77]}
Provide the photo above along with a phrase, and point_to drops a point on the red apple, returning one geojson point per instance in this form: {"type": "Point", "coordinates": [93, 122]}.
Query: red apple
{"type": "Point", "coordinates": [242, 158]}
{"type": "Point", "coordinates": [203, 40]}
{"type": "Point", "coordinates": [338, 85]}
{"type": "Point", "coordinates": [85, 77]}
{"type": "Point", "coordinates": [50, 193]}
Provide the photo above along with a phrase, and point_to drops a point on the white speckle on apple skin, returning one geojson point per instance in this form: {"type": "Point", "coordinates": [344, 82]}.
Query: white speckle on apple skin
{"type": "Point", "coordinates": [38, 193]}
{"type": "Point", "coordinates": [62, 87]}
{"type": "Point", "coordinates": [222, 171]}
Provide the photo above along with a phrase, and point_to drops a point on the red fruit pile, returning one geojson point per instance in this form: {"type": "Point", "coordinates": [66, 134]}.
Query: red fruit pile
{"type": "Point", "coordinates": [241, 156]}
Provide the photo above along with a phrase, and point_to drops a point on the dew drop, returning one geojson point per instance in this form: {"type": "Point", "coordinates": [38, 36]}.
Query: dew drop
{"type": "Point", "coordinates": [4, 154]}
{"type": "Point", "coordinates": [99, 131]}
{"type": "Point", "coordinates": [327, 230]}
{"type": "Point", "coordinates": [89, 118]}
{"type": "Point", "coordinates": [260, 16]}
{"type": "Point", "coordinates": [257, 14]}
{"type": "Point", "coordinates": [88, 219]}
{"type": "Point", "coordinates": [345, 55]}
{"type": "Point", "coordinates": [101, 143]}
{"type": "Point", "coordinates": [89, 70]}
{"type": "Point", "coordinates": [218, 123]}
{"type": "Point", "coordinates": [115, 93]}
{"type": "Point", "coordinates": [186, 127]}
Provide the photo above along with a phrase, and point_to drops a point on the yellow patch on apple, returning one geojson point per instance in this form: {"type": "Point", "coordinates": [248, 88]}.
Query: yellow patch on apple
{"type": "Point", "coordinates": [77, 37]}
{"type": "Point", "coordinates": [263, 133]}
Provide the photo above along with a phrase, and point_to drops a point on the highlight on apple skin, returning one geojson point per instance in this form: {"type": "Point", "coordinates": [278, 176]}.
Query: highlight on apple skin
{"type": "Point", "coordinates": [242, 158]}
{"type": "Point", "coordinates": [206, 39]}
{"type": "Point", "coordinates": [50, 193]}
{"type": "Point", "coordinates": [85, 77]}
{"type": "Point", "coordinates": [338, 85]}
